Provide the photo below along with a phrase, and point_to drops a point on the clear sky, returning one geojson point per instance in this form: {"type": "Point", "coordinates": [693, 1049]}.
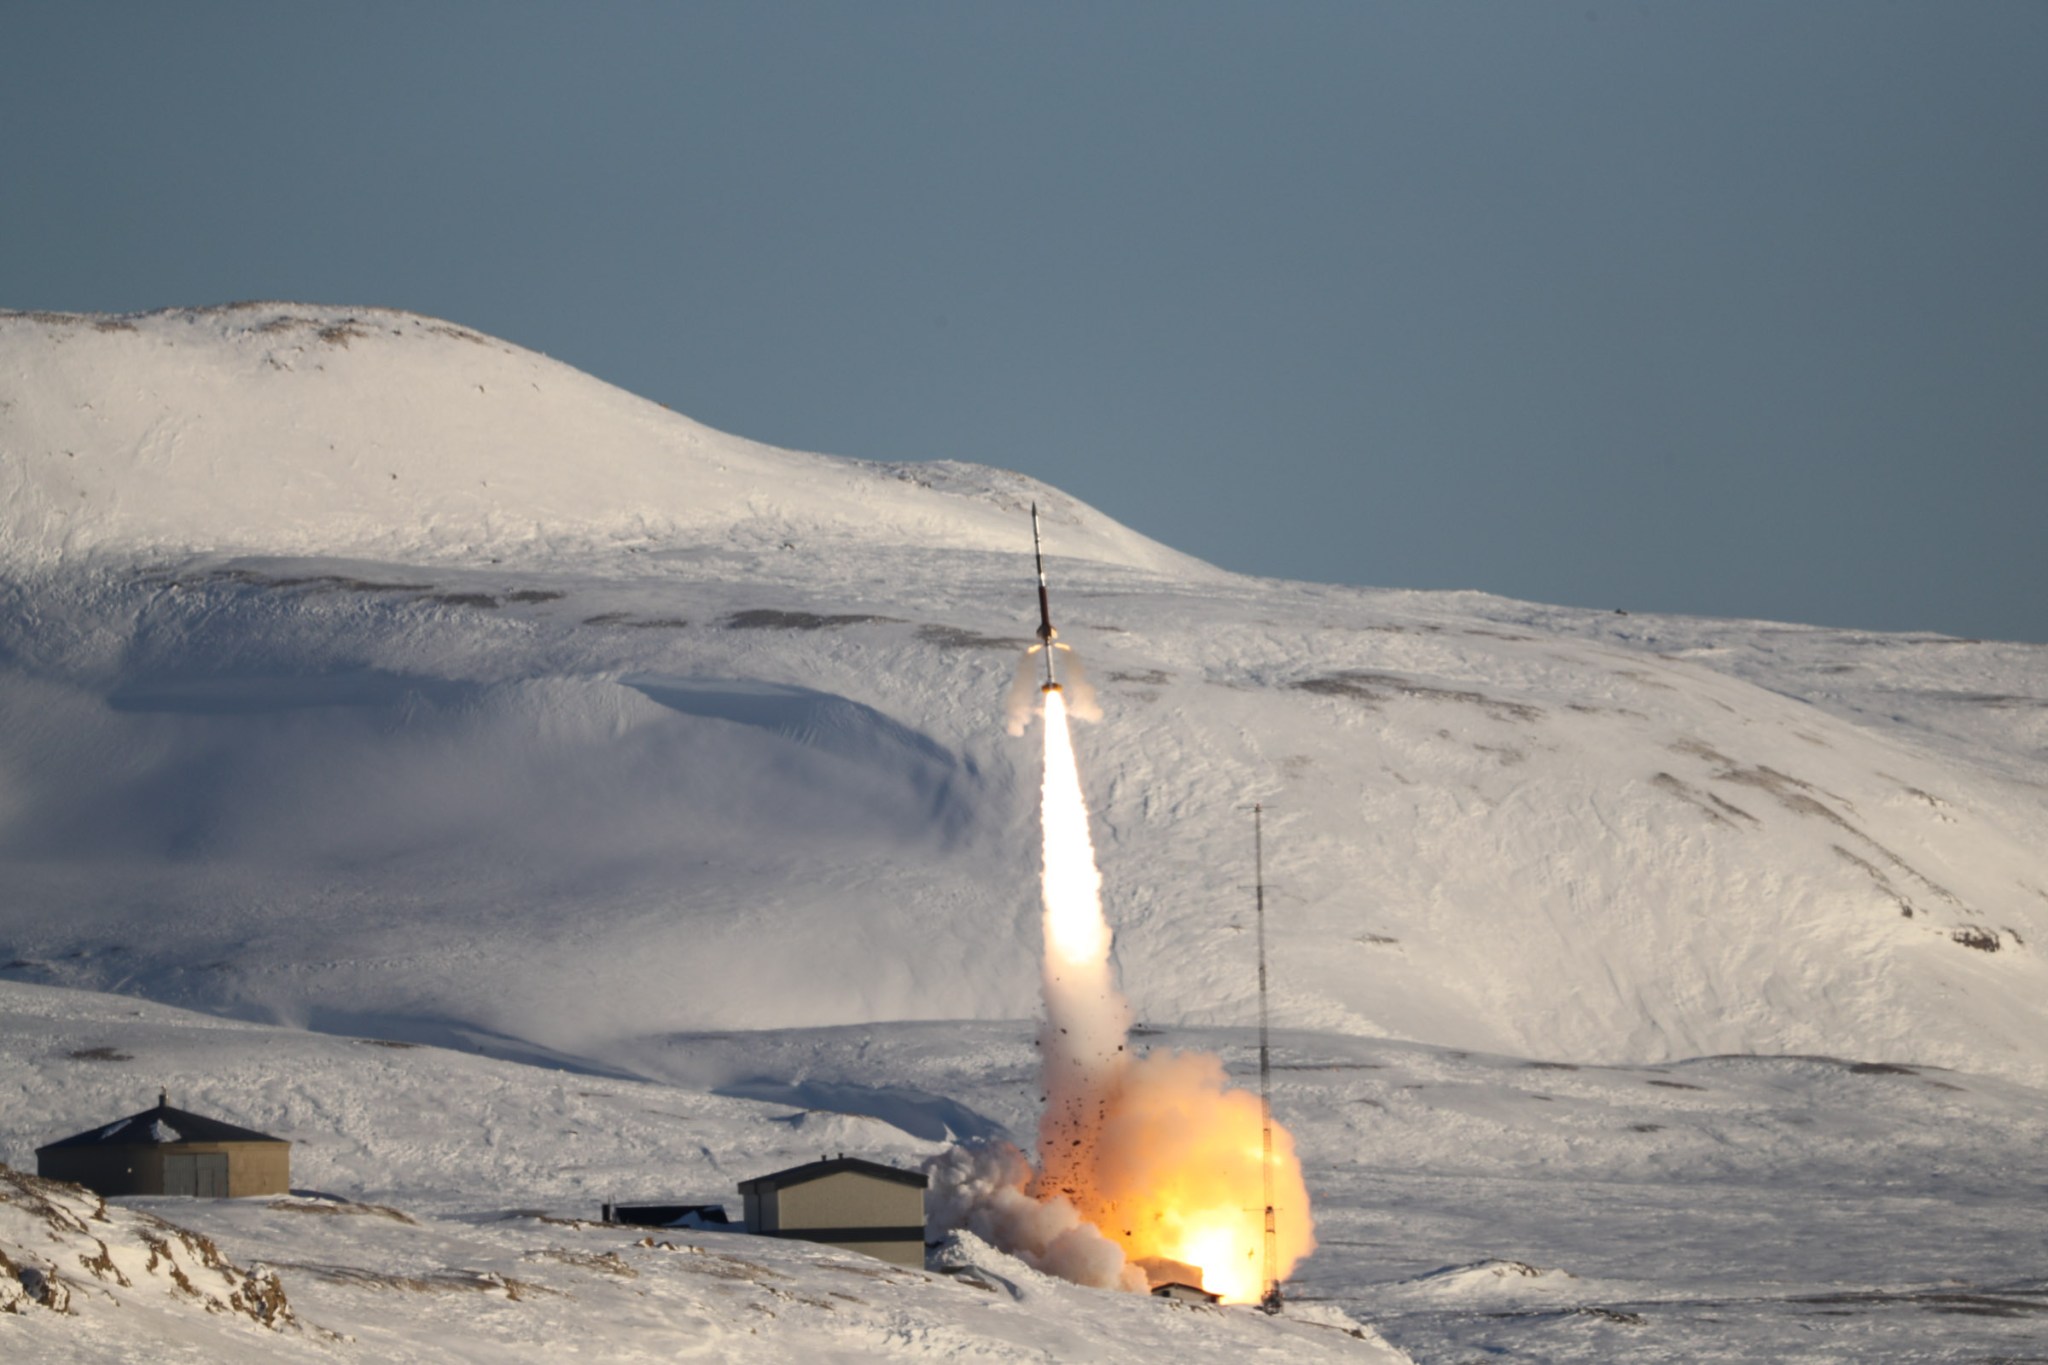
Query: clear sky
{"type": "Point", "coordinates": [1729, 308]}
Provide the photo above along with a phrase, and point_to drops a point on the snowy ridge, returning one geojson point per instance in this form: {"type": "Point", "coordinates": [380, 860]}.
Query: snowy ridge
{"type": "Point", "coordinates": [290, 429]}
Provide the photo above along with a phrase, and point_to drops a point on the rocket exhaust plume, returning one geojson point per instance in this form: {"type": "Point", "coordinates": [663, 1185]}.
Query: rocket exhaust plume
{"type": "Point", "coordinates": [1144, 1164]}
{"type": "Point", "coordinates": [1086, 1019]}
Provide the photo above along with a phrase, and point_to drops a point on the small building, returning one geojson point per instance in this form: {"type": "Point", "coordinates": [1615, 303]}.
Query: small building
{"type": "Point", "coordinates": [844, 1202]}
{"type": "Point", "coordinates": [1182, 1292]}
{"type": "Point", "coordinates": [171, 1151]}
{"type": "Point", "coordinates": [667, 1215]}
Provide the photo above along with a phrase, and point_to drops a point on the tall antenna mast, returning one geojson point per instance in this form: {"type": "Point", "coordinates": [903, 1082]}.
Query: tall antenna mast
{"type": "Point", "coordinates": [1269, 1299]}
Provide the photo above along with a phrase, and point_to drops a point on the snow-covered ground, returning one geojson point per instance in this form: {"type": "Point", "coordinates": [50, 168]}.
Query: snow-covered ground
{"type": "Point", "coordinates": [365, 675]}
{"type": "Point", "coordinates": [1738, 1208]}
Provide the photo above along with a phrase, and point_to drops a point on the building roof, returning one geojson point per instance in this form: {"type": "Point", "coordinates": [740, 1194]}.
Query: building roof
{"type": "Point", "coordinates": [818, 1170]}
{"type": "Point", "coordinates": [160, 1127]}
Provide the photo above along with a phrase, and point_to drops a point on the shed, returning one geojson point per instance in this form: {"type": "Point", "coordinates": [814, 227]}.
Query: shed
{"type": "Point", "coordinates": [667, 1215]}
{"type": "Point", "coordinates": [1182, 1292]}
{"type": "Point", "coordinates": [843, 1202]}
{"type": "Point", "coordinates": [171, 1151]}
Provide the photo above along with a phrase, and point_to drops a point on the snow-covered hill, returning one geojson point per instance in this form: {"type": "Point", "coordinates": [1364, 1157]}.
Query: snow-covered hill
{"type": "Point", "coordinates": [362, 672]}
{"type": "Point", "coordinates": [278, 429]}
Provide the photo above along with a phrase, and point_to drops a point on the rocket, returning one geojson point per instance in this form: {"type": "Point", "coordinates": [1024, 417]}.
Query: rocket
{"type": "Point", "coordinates": [1046, 634]}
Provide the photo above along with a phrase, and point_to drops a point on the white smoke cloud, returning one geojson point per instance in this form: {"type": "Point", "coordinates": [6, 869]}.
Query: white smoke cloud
{"type": "Point", "coordinates": [980, 1187]}
{"type": "Point", "coordinates": [1081, 700]}
{"type": "Point", "coordinates": [1021, 703]}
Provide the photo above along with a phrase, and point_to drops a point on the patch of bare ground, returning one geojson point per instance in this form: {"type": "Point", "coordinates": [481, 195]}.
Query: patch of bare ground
{"type": "Point", "coordinates": [716, 1264]}
{"type": "Point", "coordinates": [75, 1228]}
{"type": "Point", "coordinates": [1978, 937]}
{"type": "Point", "coordinates": [1997, 1303]}
{"type": "Point", "coordinates": [1376, 688]}
{"type": "Point", "coordinates": [342, 333]}
{"type": "Point", "coordinates": [1713, 807]}
{"type": "Point", "coordinates": [620, 618]}
{"type": "Point", "coordinates": [1877, 875]}
{"type": "Point", "coordinates": [447, 1281]}
{"type": "Point", "coordinates": [605, 1262]}
{"type": "Point", "coordinates": [1801, 798]}
{"type": "Point", "coordinates": [953, 637]}
{"type": "Point", "coordinates": [766, 618]}
{"type": "Point", "coordinates": [311, 583]}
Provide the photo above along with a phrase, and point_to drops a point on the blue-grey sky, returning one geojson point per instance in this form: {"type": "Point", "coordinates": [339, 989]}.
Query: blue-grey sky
{"type": "Point", "coordinates": [1734, 308]}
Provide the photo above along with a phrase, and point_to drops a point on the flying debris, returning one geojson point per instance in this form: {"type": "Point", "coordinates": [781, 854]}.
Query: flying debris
{"type": "Point", "coordinates": [1046, 634]}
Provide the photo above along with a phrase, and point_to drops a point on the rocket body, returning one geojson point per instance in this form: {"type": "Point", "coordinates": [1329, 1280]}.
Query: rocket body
{"type": "Point", "coordinates": [1046, 634]}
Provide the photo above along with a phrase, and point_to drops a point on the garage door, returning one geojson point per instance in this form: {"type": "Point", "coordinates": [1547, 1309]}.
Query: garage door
{"type": "Point", "coordinates": [203, 1175]}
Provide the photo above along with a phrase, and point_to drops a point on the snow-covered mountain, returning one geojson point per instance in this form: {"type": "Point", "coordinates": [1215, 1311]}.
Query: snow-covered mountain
{"type": "Point", "coordinates": [360, 671]}
{"type": "Point", "coordinates": [370, 677]}
{"type": "Point", "coordinates": [274, 429]}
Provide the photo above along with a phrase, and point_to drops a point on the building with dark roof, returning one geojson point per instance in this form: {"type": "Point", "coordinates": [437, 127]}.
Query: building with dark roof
{"type": "Point", "coordinates": [1180, 1291]}
{"type": "Point", "coordinates": [170, 1151]}
{"type": "Point", "coordinates": [844, 1202]}
{"type": "Point", "coordinates": [667, 1215]}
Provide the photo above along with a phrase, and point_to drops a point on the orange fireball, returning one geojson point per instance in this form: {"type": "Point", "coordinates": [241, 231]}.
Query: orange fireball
{"type": "Point", "coordinates": [1177, 1176]}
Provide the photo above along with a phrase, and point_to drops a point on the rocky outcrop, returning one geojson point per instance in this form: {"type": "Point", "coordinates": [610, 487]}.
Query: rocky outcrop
{"type": "Point", "coordinates": [63, 1249]}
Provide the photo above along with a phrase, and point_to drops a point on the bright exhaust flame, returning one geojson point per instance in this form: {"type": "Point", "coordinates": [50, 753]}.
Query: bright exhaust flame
{"type": "Point", "coordinates": [1155, 1157]}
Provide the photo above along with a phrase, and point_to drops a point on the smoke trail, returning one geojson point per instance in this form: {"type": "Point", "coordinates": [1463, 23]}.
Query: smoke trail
{"type": "Point", "coordinates": [1086, 1018]}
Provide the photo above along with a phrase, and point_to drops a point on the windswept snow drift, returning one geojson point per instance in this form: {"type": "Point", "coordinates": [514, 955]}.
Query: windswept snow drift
{"type": "Point", "coordinates": [362, 672]}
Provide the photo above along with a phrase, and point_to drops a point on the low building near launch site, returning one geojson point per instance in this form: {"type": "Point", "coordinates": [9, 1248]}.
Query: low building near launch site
{"type": "Point", "coordinates": [844, 1202]}
{"type": "Point", "coordinates": [667, 1215]}
{"type": "Point", "coordinates": [1182, 1292]}
{"type": "Point", "coordinates": [170, 1151]}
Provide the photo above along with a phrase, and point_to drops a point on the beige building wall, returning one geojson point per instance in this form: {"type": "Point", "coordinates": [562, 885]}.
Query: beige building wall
{"type": "Point", "coordinates": [849, 1199]}
{"type": "Point", "coordinates": [253, 1167]}
{"type": "Point", "coordinates": [896, 1253]}
{"type": "Point", "coordinates": [845, 1202]}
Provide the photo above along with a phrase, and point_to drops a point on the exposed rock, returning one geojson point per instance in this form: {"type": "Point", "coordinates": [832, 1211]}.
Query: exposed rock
{"type": "Point", "coordinates": [57, 1239]}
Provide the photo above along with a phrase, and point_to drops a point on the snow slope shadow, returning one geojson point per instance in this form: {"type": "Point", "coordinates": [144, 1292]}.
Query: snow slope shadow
{"type": "Point", "coordinates": [455, 1035]}
{"type": "Point", "coordinates": [248, 695]}
{"type": "Point", "coordinates": [831, 724]}
{"type": "Point", "coordinates": [918, 1113]}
